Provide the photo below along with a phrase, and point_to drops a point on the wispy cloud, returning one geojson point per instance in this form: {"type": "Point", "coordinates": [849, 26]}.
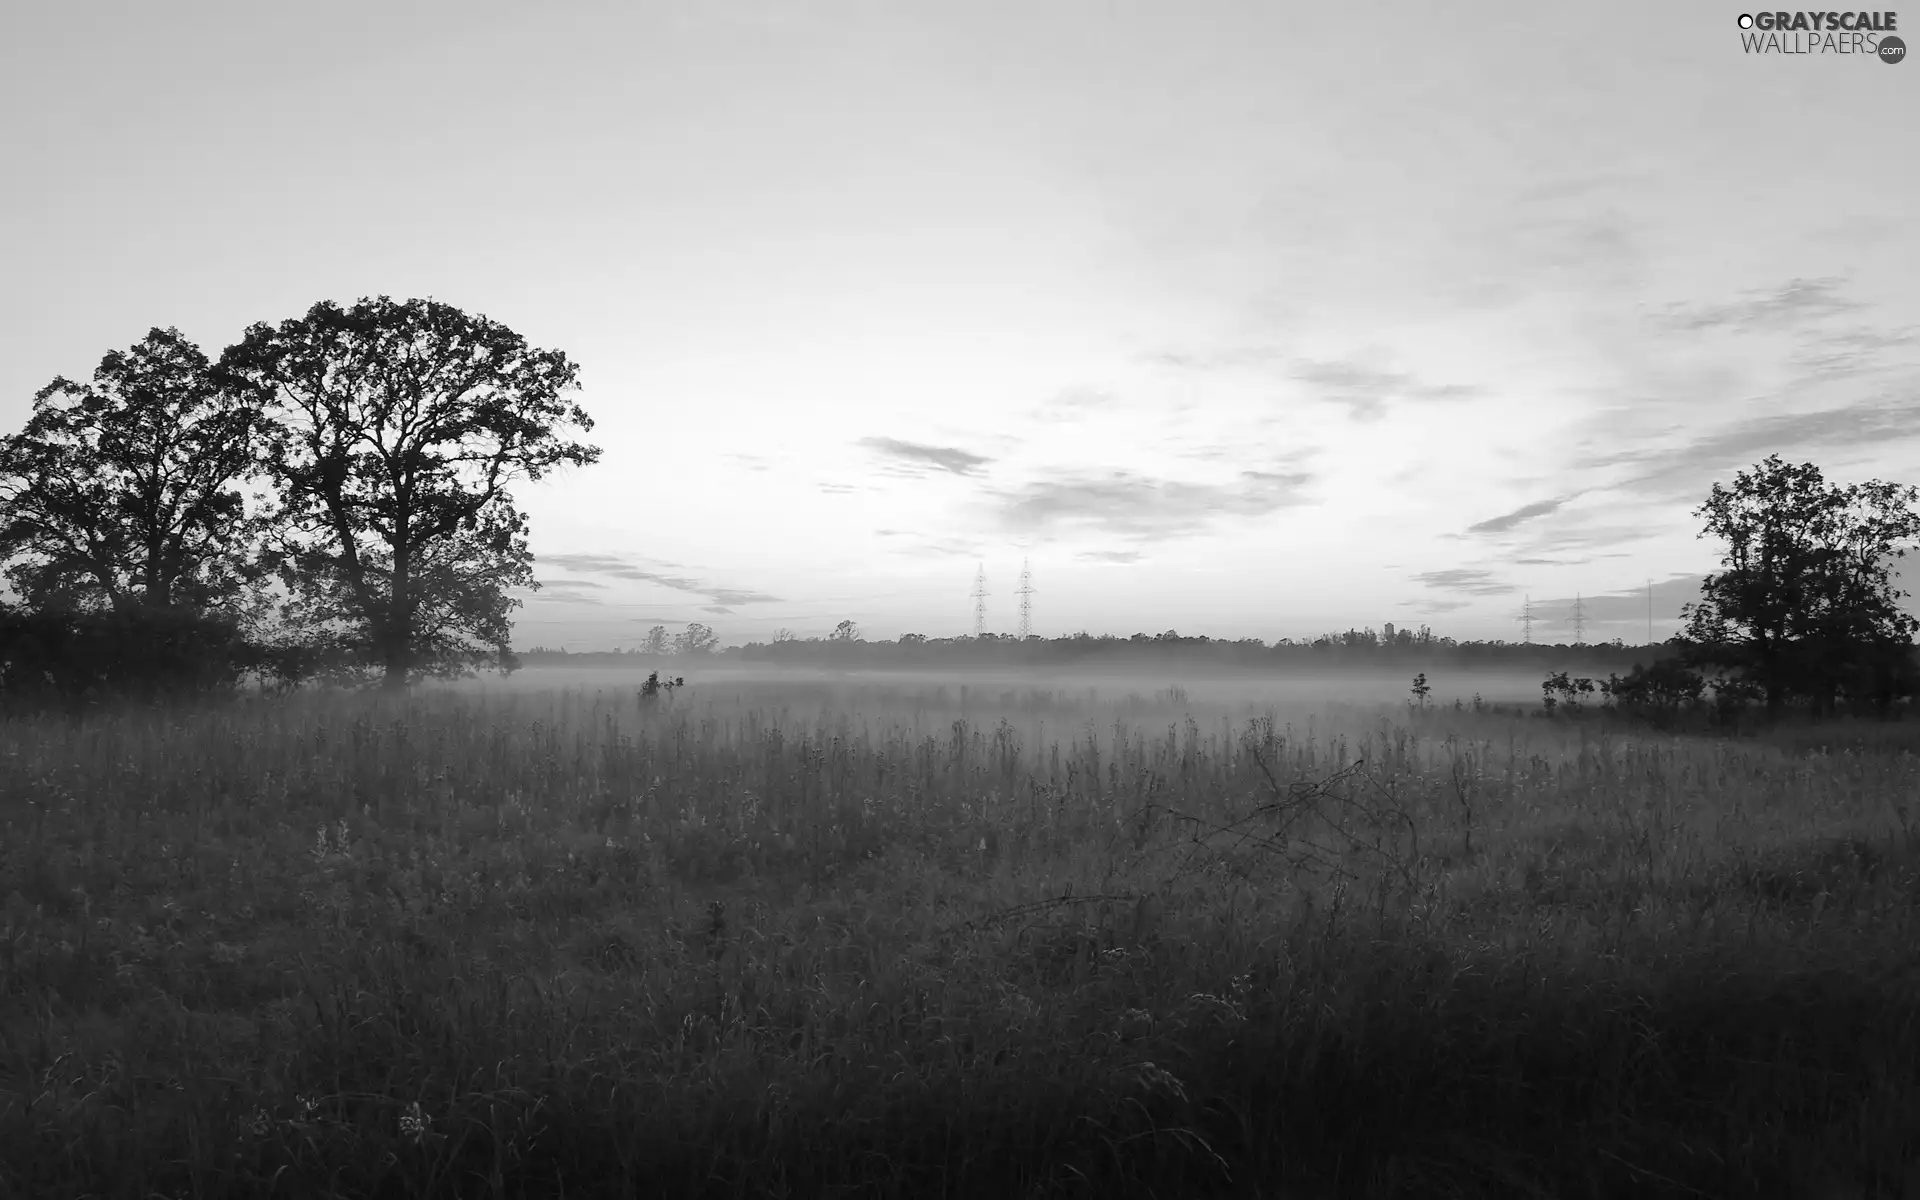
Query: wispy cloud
{"type": "Point", "coordinates": [563, 591]}
{"type": "Point", "coordinates": [1740, 444]}
{"type": "Point", "coordinates": [1797, 301]}
{"type": "Point", "coordinates": [619, 568]}
{"type": "Point", "coordinates": [1075, 404]}
{"type": "Point", "coordinates": [717, 609]}
{"type": "Point", "coordinates": [1622, 611]}
{"type": "Point", "coordinates": [941, 548]}
{"type": "Point", "coordinates": [1110, 556]}
{"type": "Point", "coordinates": [1849, 353]}
{"type": "Point", "coordinates": [1526, 512]}
{"type": "Point", "coordinates": [1429, 604]}
{"type": "Point", "coordinates": [1366, 390]}
{"type": "Point", "coordinates": [916, 458]}
{"type": "Point", "coordinates": [1583, 541]}
{"type": "Point", "coordinates": [734, 596]}
{"type": "Point", "coordinates": [1228, 358]}
{"type": "Point", "coordinates": [1131, 505]}
{"type": "Point", "coordinates": [1355, 381]}
{"type": "Point", "coordinates": [1465, 580]}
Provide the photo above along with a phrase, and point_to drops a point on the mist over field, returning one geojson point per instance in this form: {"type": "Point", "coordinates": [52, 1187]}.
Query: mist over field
{"type": "Point", "coordinates": [1211, 687]}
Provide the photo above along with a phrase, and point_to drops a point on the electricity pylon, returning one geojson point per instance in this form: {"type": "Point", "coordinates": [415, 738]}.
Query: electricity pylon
{"type": "Point", "coordinates": [980, 601]}
{"type": "Point", "coordinates": [1025, 592]}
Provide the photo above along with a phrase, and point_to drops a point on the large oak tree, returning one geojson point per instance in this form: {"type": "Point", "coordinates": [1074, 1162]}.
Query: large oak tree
{"type": "Point", "coordinates": [1806, 602]}
{"type": "Point", "coordinates": [397, 428]}
{"type": "Point", "coordinates": [123, 494]}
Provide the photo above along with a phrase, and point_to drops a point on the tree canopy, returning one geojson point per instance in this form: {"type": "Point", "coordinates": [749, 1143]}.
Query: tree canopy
{"type": "Point", "coordinates": [1805, 602]}
{"type": "Point", "coordinates": [394, 431]}
{"type": "Point", "coordinates": [123, 492]}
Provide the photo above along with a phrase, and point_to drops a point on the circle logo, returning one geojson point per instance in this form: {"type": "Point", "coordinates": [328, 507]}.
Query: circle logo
{"type": "Point", "coordinates": [1892, 49]}
{"type": "Point", "coordinates": [1746, 20]}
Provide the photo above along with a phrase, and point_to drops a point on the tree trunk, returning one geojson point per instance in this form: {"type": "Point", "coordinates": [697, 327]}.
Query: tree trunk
{"type": "Point", "coordinates": [396, 678]}
{"type": "Point", "coordinates": [399, 615]}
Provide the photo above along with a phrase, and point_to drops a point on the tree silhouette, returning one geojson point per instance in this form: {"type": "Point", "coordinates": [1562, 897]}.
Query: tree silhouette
{"type": "Point", "coordinates": [695, 639]}
{"type": "Point", "coordinates": [122, 493]}
{"type": "Point", "coordinates": [398, 428]}
{"type": "Point", "coordinates": [1806, 603]}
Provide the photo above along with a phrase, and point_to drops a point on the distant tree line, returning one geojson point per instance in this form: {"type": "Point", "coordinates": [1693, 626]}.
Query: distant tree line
{"type": "Point", "coordinates": [327, 499]}
{"type": "Point", "coordinates": [1803, 615]}
{"type": "Point", "coordinates": [1356, 648]}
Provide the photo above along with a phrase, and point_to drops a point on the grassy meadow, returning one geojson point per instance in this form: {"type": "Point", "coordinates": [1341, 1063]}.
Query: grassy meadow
{"type": "Point", "coordinates": [868, 937]}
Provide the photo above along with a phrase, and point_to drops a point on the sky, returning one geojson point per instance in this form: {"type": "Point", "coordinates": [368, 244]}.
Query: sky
{"type": "Point", "coordinates": [1239, 319]}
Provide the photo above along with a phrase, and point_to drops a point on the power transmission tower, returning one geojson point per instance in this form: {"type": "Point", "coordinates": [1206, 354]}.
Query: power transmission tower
{"type": "Point", "coordinates": [1025, 593]}
{"type": "Point", "coordinates": [1526, 620]}
{"type": "Point", "coordinates": [1579, 620]}
{"type": "Point", "coordinates": [980, 601]}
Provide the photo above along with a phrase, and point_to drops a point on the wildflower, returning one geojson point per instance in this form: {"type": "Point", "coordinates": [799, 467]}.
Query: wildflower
{"type": "Point", "coordinates": [1154, 1079]}
{"type": "Point", "coordinates": [414, 1123]}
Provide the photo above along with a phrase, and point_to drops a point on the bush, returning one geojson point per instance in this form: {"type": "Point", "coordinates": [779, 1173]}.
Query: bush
{"type": "Point", "coordinates": [654, 688]}
{"type": "Point", "coordinates": [78, 659]}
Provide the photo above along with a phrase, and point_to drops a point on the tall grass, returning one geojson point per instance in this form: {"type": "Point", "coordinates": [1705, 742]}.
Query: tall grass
{"type": "Point", "coordinates": [801, 939]}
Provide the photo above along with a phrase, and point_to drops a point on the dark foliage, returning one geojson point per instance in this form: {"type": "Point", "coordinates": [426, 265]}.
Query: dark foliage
{"type": "Point", "coordinates": [1805, 608]}
{"type": "Point", "coordinates": [395, 431]}
{"type": "Point", "coordinates": [123, 491]}
{"type": "Point", "coordinates": [76, 660]}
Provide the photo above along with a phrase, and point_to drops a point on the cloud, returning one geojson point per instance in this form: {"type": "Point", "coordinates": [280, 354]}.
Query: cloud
{"type": "Point", "coordinates": [1366, 390]}
{"type": "Point", "coordinates": [1075, 404]}
{"type": "Point", "coordinates": [916, 458]}
{"type": "Point", "coordinates": [1583, 540]}
{"type": "Point", "coordinates": [1126, 504]}
{"type": "Point", "coordinates": [1526, 512]}
{"type": "Point", "coordinates": [1798, 301]}
{"type": "Point", "coordinates": [559, 591]}
{"type": "Point", "coordinates": [1624, 610]}
{"type": "Point", "coordinates": [1110, 556]}
{"type": "Point", "coordinates": [1429, 605]}
{"type": "Point", "coordinates": [620, 568]}
{"type": "Point", "coordinates": [1741, 444]}
{"type": "Point", "coordinates": [839, 489]}
{"type": "Point", "coordinates": [1466, 580]}
{"type": "Point", "coordinates": [943, 548]}
{"type": "Point", "coordinates": [1226, 359]}
{"type": "Point", "coordinates": [733, 596]}
{"type": "Point", "coordinates": [717, 609]}
{"type": "Point", "coordinates": [1859, 351]}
